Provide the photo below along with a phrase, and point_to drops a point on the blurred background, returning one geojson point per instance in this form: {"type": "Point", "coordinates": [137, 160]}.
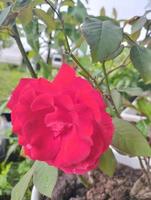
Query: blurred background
{"type": "Point", "coordinates": [43, 43]}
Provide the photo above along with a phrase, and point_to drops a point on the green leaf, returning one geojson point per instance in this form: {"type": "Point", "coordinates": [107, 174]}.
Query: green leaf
{"type": "Point", "coordinates": [33, 25]}
{"type": "Point", "coordinates": [25, 15]}
{"type": "Point", "coordinates": [3, 106]}
{"type": "Point", "coordinates": [11, 149]}
{"type": "Point", "coordinates": [22, 3]}
{"type": "Point", "coordinates": [139, 24]}
{"type": "Point", "coordinates": [129, 140]}
{"type": "Point", "coordinates": [79, 11]}
{"type": "Point", "coordinates": [36, 2]}
{"type": "Point", "coordinates": [116, 98]}
{"type": "Point", "coordinates": [134, 36]}
{"type": "Point", "coordinates": [69, 3]}
{"type": "Point", "coordinates": [108, 163]}
{"type": "Point", "coordinates": [143, 126]}
{"type": "Point", "coordinates": [4, 14]}
{"type": "Point", "coordinates": [44, 178]}
{"type": "Point", "coordinates": [141, 59]}
{"type": "Point", "coordinates": [104, 38]}
{"type": "Point", "coordinates": [144, 107]}
{"type": "Point", "coordinates": [46, 18]}
{"type": "Point", "coordinates": [132, 91]}
{"type": "Point", "coordinates": [20, 188]}
{"type": "Point", "coordinates": [116, 53]}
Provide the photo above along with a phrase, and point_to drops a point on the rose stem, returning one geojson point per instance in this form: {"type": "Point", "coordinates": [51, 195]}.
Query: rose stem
{"type": "Point", "coordinates": [22, 50]}
{"type": "Point", "coordinates": [108, 87]}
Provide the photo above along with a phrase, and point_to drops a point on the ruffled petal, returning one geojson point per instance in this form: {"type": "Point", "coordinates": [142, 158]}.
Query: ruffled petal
{"type": "Point", "coordinates": [43, 101]}
{"type": "Point", "coordinates": [64, 77]}
{"type": "Point", "coordinates": [73, 150]}
{"type": "Point", "coordinates": [43, 145]}
{"type": "Point", "coordinates": [17, 91]}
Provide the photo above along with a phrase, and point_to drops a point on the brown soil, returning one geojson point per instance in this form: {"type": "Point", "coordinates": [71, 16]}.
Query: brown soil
{"type": "Point", "coordinates": [117, 187]}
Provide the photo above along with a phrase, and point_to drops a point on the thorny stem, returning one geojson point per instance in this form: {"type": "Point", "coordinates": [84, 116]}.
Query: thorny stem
{"type": "Point", "coordinates": [147, 174]}
{"type": "Point", "coordinates": [108, 87]}
{"type": "Point", "coordinates": [22, 50]}
{"type": "Point", "coordinates": [68, 50]}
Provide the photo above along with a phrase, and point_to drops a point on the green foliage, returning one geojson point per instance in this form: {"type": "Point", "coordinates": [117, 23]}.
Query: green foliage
{"type": "Point", "coordinates": [128, 139]}
{"type": "Point", "coordinates": [124, 78]}
{"type": "Point", "coordinates": [144, 106]}
{"type": "Point", "coordinates": [117, 98]}
{"type": "Point", "coordinates": [33, 25]}
{"type": "Point", "coordinates": [69, 3]}
{"type": "Point", "coordinates": [5, 186]}
{"type": "Point", "coordinates": [4, 14]}
{"type": "Point", "coordinates": [46, 18]}
{"type": "Point", "coordinates": [25, 15]}
{"type": "Point", "coordinates": [10, 173]}
{"type": "Point", "coordinates": [144, 127]}
{"type": "Point", "coordinates": [104, 38]}
{"type": "Point", "coordinates": [19, 190]}
{"type": "Point", "coordinates": [132, 91]}
{"type": "Point", "coordinates": [108, 163]}
{"type": "Point", "coordinates": [141, 58]}
{"type": "Point", "coordinates": [138, 24]}
{"type": "Point", "coordinates": [44, 178]}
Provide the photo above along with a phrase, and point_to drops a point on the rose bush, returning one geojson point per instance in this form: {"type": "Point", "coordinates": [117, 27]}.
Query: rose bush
{"type": "Point", "coordinates": [62, 122]}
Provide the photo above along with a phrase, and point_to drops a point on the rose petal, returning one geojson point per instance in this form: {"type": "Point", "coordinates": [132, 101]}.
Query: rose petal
{"type": "Point", "coordinates": [17, 91]}
{"type": "Point", "coordinates": [43, 101]}
{"type": "Point", "coordinates": [73, 150]}
{"type": "Point", "coordinates": [43, 148]}
{"type": "Point", "coordinates": [64, 77]}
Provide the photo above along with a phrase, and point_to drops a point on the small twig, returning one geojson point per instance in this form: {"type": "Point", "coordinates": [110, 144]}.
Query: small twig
{"type": "Point", "coordinates": [145, 172]}
{"type": "Point", "coordinates": [22, 50]}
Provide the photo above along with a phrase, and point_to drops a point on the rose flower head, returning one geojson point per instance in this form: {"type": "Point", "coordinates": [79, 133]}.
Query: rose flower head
{"type": "Point", "coordinates": [62, 122]}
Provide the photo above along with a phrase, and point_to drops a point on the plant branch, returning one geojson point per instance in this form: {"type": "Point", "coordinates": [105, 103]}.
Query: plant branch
{"type": "Point", "coordinates": [108, 87]}
{"type": "Point", "coordinates": [22, 50]}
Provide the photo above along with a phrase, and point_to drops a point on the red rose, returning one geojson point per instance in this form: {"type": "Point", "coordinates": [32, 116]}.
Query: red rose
{"type": "Point", "coordinates": [62, 122]}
